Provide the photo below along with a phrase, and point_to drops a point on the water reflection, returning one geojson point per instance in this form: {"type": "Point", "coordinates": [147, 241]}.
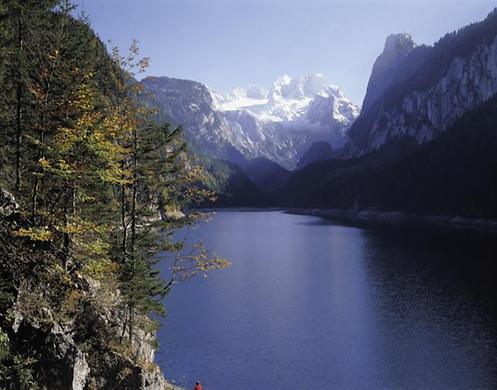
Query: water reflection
{"type": "Point", "coordinates": [310, 304]}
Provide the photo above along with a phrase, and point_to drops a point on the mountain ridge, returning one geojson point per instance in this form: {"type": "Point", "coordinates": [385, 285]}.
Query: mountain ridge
{"type": "Point", "coordinates": [430, 88]}
{"type": "Point", "coordinates": [278, 124]}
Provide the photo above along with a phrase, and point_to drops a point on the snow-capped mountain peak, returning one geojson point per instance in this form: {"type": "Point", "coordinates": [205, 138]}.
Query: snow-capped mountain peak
{"type": "Point", "coordinates": [288, 99]}
{"type": "Point", "coordinates": [304, 86]}
{"type": "Point", "coordinates": [287, 117]}
{"type": "Point", "coordinates": [279, 123]}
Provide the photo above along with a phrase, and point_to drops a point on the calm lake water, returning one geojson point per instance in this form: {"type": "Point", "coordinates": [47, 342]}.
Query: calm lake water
{"type": "Point", "coordinates": [309, 304]}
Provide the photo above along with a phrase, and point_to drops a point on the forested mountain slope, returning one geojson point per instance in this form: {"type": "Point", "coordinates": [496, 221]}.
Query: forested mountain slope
{"type": "Point", "coordinates": [91, 190]}
{"type": "Point", "coordinates": [456, 174]}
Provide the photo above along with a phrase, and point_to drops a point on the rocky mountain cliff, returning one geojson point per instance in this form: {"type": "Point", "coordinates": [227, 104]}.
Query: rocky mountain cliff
{"type": "Point", "coordinates": [419, 92]}
{"type": "Point", "coordinates": [189, 104]}
{"type": "Point", "coordinates": [279, 124]}
{"type": "Point", "coordinates": [425, 141]}
{"type": "Point", "coordinates": [77, 351]}
{"type": "Point", "coordinates": [397, 47]}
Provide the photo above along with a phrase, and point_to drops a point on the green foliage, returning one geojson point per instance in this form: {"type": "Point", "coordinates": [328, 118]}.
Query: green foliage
{"type": "Point", "coordinates": [4, 345]}
{"type": "Point", "coordinates": [101, 189]}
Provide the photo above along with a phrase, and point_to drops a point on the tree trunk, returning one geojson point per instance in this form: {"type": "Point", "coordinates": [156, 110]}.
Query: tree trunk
{"type": "Point", "coordinates": [19, 104]}
{"type": "Point", "coordinates": [124, 243]}
{"type": "Point", "coordinates": [37, 171]}
{"type": "Point", "coordinates": [134, 194]}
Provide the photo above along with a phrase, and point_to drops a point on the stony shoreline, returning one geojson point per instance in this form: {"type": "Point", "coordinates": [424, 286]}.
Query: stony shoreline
{"type": "Point", "coordinates": [396, 217]}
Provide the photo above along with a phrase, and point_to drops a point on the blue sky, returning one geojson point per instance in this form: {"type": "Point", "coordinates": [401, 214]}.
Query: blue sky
{"type": "Point", "coordinates": [228, 43]}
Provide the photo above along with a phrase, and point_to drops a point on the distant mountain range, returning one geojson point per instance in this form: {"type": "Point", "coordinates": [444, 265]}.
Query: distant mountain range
{"type": "Point", "coordinates": [424, 142]}
{"type": "Point", "coordinates": [279, 124]}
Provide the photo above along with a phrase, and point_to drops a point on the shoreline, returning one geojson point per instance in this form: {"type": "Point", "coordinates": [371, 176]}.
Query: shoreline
{"type": "Point", "coordinates": [377, 216]}
{"type": "Point", "coordinates": [400, 218]}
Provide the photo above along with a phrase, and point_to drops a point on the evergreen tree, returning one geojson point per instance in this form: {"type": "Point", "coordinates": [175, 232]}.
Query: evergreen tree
{"type": "Point", "coordinates": [101, 188]}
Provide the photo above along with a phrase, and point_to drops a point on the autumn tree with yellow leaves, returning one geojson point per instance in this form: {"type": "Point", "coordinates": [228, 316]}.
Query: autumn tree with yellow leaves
{"type": "Point", "coordinates": [101, 187]}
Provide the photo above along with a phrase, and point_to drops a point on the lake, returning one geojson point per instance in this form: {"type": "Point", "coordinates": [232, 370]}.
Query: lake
{"type": "Point", "coordinates": [311, 304]}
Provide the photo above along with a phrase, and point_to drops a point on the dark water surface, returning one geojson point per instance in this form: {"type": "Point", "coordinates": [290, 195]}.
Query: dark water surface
{"type": "Point", "coordinates": [308, 304]}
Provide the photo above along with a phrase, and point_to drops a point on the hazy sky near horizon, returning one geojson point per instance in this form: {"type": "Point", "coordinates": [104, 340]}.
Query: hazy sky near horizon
{"type": "Point", "coordinates": [229, 43]}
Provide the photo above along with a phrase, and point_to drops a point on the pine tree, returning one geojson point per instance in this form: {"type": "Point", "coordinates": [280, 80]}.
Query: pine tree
{"type": "Point", "coordinates": [102, 188]}
{"type": "Point", "coordinates": [19, 20]}
{"type": "Point", "coordinates": [161, 182]}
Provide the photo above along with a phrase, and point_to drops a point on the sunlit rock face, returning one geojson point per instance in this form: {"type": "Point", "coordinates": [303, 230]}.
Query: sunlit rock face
{"type": "Point", "coordinates": [468, 82]}
{"type": "Point", "coordinates": [397, 47]}
{"type": "Point", "coordinates": [190, 104]}
{"type": "Point", "coordinates": [421, 91]}
{"type": "Point", "coordinates": [284, 121]}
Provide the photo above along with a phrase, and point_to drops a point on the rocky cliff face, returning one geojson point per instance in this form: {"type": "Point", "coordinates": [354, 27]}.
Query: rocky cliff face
{"type": "Point", "coordinates": [8, 204]}
{"type": "Point", "coordinates": [454, 175]}
{"type": "Point", "coordinates": [62, 349]}
{"type": "Point", "coordinates": [423, 115]}
{"type": "Point", "coordinates": [429, 89]}
{"type": "Point", "coordinates": [397, 47]}
{"type": "Point", "coordinates": [67, 347]}
{"type": "Point", "coordinates": [189, 104]}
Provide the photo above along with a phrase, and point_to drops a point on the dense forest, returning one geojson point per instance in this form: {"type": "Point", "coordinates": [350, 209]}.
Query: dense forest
{"type": "Point", "coordinates": [455, 174]}
{"type": "Point", "coordinates": [92, 190]}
